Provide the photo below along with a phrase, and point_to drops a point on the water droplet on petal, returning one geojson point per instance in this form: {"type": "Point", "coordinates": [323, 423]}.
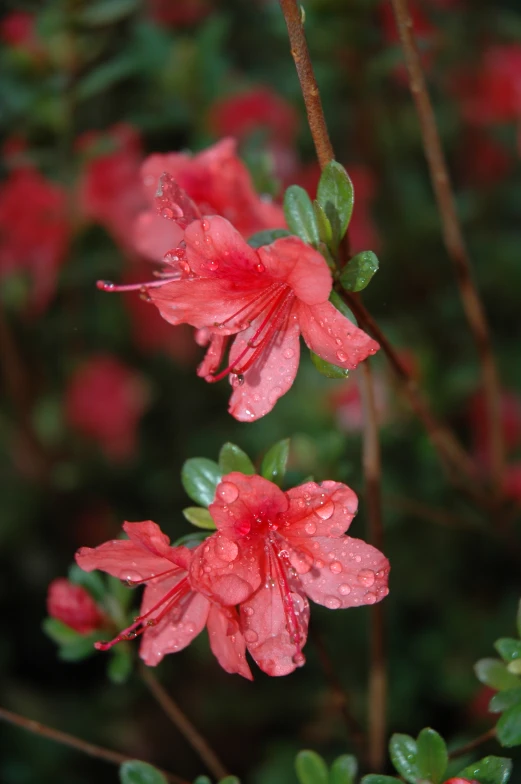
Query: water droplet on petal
{"type": "Point", "coordinates": [260, 267]}
{"type": "Point", "coordinates": [366, 577]}
{"type": "Point", "coordinates": [130, 577]}
{"type": "Point", "coordinates": [299, 659]}
{"type": "Point", "coordinates": [310, 528]}
{"type": "Point", "coordinates": [289, 353]}
{"type": "Point", "coordinates": [168, 213]}
{"type": "Point", "coordinates": [335, 567]}
{"type": "Point", "coordinates": [325, 511]}
{"type": "Point", "coordinates": [248, 610]}
{"type": "Point", "coordinates": [212, 266]}
{"type": "Point", "coordinates": [205, 225]}
{"type": "Point", "coordinates": [250, 635]}
{"type": "Point", "coordinates": [333, 602]}
{"type": "Point", "coordinates": [227, 492]}
{"type": "Point", "coordinates": [370, 598]}
{"type": "Point", "coordinates": [226, 550]}
{"type": "Point", "coordinates": [344, 589]}
{"type": "Point", "coordinates": [341, 356]}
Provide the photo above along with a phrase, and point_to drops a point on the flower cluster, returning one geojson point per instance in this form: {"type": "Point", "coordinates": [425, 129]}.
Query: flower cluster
{"type": "Point", "coordinates": [249, 582]}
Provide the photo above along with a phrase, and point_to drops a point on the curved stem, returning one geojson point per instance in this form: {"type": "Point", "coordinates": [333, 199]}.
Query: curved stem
{"type": "Point", "coordinates": [453, 237]}
{"type": "Point", "coordinates": [473, 744]}
{"type": "Point", "coordinates": [75, 743]}
{"type": "Point", "coordinates": [184, 725]}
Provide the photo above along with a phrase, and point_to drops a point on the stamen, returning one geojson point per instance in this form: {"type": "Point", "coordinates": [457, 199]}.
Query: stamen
{"type": "Point", "coordinates": [133, 583]}
{"type": "Point", "coordinates": [280, 559]}
{"type": "Point", "coordinates": [108, 285]}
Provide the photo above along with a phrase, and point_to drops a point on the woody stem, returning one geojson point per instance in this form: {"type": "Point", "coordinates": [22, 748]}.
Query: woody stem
{"type": "Point", "coordinates": [75, 743]}
{"type": "Point", "coordinates": [378, 670]}
{"type": "Point", "coordinates": [184, 725]}
{"type": "Point", "coordinates": [453, 236]}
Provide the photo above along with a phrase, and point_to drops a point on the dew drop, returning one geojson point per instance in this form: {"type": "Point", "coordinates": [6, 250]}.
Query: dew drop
{"type": "Point", "coordinates": [248, 610]}
{"type": "Point", "coordinates": [341, 356]}
{"type": "Point", "coordinates": [332, 602]}
{"type": "Point", "coordinates": [167, 213]}
{"type": "Point", "coordinates": [325, 511]}
{"type": "Point", "coordinates": [260, 267]}
{"type": "Point", "coordinates": [299, 659]}
{"type": "Point", "coordinates": [289, 353]}
{"type": "Point", "coordinates": [250, 635]}
{"type": "Point", "coordinates": [335, 567]}
{"type": "Point", "coordinates": [212, 266]}
{"type": "Point", "coordinates": [237, 379]}
{"type": "Point", "coordinates": [344, 589]}
{"type": "Point", "coordinates": [227, 492]}
{"type": "Point", "coordinates": [366, 577]}
{"type": "Point", "coordinates": [130, 577]}
{"type": "Point", "coordinates": [370, 598]}
{"type": "Point", "coordinates": [205, 225]}
{"type": "Point", "coordinates": [310, 528]}
{"type": "Point", "coordinates": [319, 564]}
{"type": "Point", "coordinates": [226, 550]}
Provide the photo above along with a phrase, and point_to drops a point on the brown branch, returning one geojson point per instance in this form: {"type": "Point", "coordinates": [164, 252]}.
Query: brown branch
{"type": "Point", "coordinates": [75, 743]}
{"type": "Point", "coordinates": [453, 236]}
{"type": "Point", "coordinates": [293, 15]}
{"type": "Point", "coordinates": [473, 744]}
{"type": "Point", "coordinates": [184, 725]}
{"type": "Point", "coordinates": [378, 668]}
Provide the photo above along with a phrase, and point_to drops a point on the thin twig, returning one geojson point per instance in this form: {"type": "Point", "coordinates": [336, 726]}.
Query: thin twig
{"type": "Point", "coordinates": [75, 743]}
{"type": "Point", "coordinates": [378, 668]}
{"type": "Point", "coordinates": [184, 725]}
{"type": "Point", "coordinates": [453, 237]}
{"type": "Point", "coordinates": [473, 744]}
{"type": "Point", "coordinates": [294, 17]}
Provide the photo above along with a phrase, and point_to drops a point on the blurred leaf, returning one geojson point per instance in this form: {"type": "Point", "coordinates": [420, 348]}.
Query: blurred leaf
{"type": "Point", "coordinates": [489, 770]}
{"type": "Point", "coordinates": [106, 12]}
{"type": "Point", "coordinates": [275, 460]}
{"type": "Point", "coordinates": [508, 648]}
{"type": "Point", "coordinates": [358, 272]}
{"type": "Point", "coordinates": [432, 758]}
{"type": "Point", "coordinates": [310, 768]}
{"type": "Point", "coordinates": [518, 619]}
{"type": "Point", "coordinates": [202, 780]}
{"type": "Point", "coordinates": [230, 780]}
{"type": "Point", "coordinates": [508, 728]}
{"type": "Point", "coordinates": [232, 458]}
{"type": "Point", "coordinates": [505, 699]}
{"type": "Point", "coordinates": [136, 772]}
{"type": "Point", "coordinates": [335, 194]}
{"type": "Point", "coordinates": [120, 664]}
{"type": "Point", "coordinates": [404, 751]}
{"type": "Point", "coordinates": [326, 368]}
{"type": "Point", "coordinates": [267, 237]}
{"type": "Point", "coordinates": [91, 581]}
{"type": "Point", "coordinates": [376, 778]}
{"type": "Point", "coordinates": [191, 540]}
{"type": "Point", "coordinates": [59, 632]}
{"type": "Point", "coordinates": [199, 517]}
{"type": "Point", "coordinates": [200, 477]}
{"type": "Point", "coordinates": [325, 231]}
{"type": "Point", "coordinates": [103, 77]}
{"type": "Point", "coordinates": [80, 649]}
{"type": "Point", "coordinates": [514, 667]}
{"type": "Point", "coordinates": [343, 770]}
{"type": "Point", "coordinates": [493, 673]}
{"type": "Point", "coordinates": [300, 215]}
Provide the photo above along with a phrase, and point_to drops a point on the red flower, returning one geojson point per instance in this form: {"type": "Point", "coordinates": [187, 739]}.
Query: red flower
{"type": "Point", "coordinates": [105, 400]}
{"type": "Point", "coordinates": [178, 13]}
{"type": "Point", "coordinates": [110, 190]}
{"type": "Point", "coordinates": [268, 297]}
{"type": "Point", "coordinates": [17, 29]}
{"type": "Point", "coordinates": [172, 612]}
{"type": "Point", "coordinates": [492, 93]}
{"type": "Point", "coordinates": [213, 182]}
{"type": "Point", "coordinates": [273, 549]}
{"type": "Point", "coordinates": [34, 230]}
{"type": "Point", "coordinates": [423, 29]}
{"type": "Point", "coordinates": [73, 605]}
{"type": "Point", "coordinates": [510, 407]}
{"type": "Point", "coordinates": [259, 108]}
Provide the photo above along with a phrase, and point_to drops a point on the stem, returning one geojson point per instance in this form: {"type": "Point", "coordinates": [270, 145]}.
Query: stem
{"type": "Point", "coordinates": [378, 668]}
{"type": "Point", "coordinates": [473, 744]}
{"type": "Point", "coordinates": [75, 743]}
{"type": "Point", "coordinates": [294, 17]}
{"type": "Point", "coordinates": [184, 725]}
{"type": "Point", "coordinates": [453, 237]}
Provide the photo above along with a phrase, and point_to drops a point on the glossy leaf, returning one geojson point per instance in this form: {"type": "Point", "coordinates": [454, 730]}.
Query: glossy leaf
{"type": "Point", "coordinates": [136, 772]}
{"type": "Point", "coordinates": [275, 460]}
{"type": "Point", "coordinates": [311, 768]}
{"type": "Point", "coordinates": [432, 757]}
{"type": "Point", "coordinates": [508, 728]}
{"type": "Point", "coordinates": [505, 699]}
{"type": "Point", "coordinates": [300, 216]}
{"type": "Point", "coordinates": [326, 368]}
{"type": "Point", "coordinates": [325, 231]}
{"type": "Point", "coordinates": [404, 751]}
{"type": "Point", "coordinates": [105, 12]}
{"type": "Point", "coordinates": [335, 194]}
{"type": "Point", "coordinates": [232, 458]}
{"type": "Point", "coordinates": [202, 780]}
{"type": "Point", "coordinates": [199, 517]}
{"type": "Point", "coordinates": [508, 648]}
{"type": "Point", "coordinates": [267, 237]}
{"type": "Point", "coordinates": [359, 271]}
{"type": "Point", "coordinates": [200, 477]}
{"type": "Point", "coordinates": [230, 780]}
{"type": "Point", "coordinates": [343, 770]}
{"type": "Point", "coordinates": [489, 770]}
{"type": "Point", "coordinates": [493, 673]}
{"type": "Point", "coordinates": [376, 778]}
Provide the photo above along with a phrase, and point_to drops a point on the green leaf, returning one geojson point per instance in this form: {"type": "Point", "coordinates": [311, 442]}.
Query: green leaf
{"type": "Point", "coordinates": [229, 780]}
{"type": "Point", "coordinates": [300, 215]}
{"type": "Point", "coordinates": [508, 727]}
{"type": "Point", "coordinates": [518, 618]}
{"type": "Point", "coordinates": [107, 12]}
{"type": "Point", "coordinates": [341, 306]}
{"type": "Point", "coordinates": [489, 770]}
{"type": "Point", "coordinates": [232, 458]}
{"type": "Point", "coordinates": [326, 368]}
{"type": "Point", "coordinates": [192, 539]}
{"type": "Point", "coordinates": [359, 271]}
{"type": "Point", "coordinates": [202, 780]}
{"type": "Point", "coordinates": [508, 648]}
{"type": "Point", "coordinates": [91, 581]}
{"type": "Point", "coordinates": [404, 751]}
{"type": "Point", "coordinates": [136, 772]}
{"type": "Point", "coordinates": [505, 699]}
{"type": "Point", "coordinates": [311, 768]}
{"type": "Point", "coordinates": [59, 632]}
{"type": "Point", "coordinates": [275, 460]}
{"type": "Point", "coordinates": [325, 232]}
{"type": "Point", "coordinates": [376, 778]}
{"type": "Point", "coordinates": [80, 649]}
{"type": "Point", "coordinates": [493, 673]}
{"type": "Point", "coordinates": [105, 76]}
{"type": "Point", "coordinates": [200, 477]}
{"type": "Point", "coordinates": [432, 758]}
{"type": "Point", "coordinates": [514, 667]}
{"type": "Point", "coordinates": [199, 517]}
{"type": "Point", "coordinates": [343, 770]}
{"type": "Point", "coordinates": [120, 664]}
{"type": "Point", "coordinates": [266, 237]}
{"type": "Point", "coordinates": [335, 194]}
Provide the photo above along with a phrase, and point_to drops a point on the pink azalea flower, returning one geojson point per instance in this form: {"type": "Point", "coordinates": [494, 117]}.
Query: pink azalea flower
{"type": "Point", "coordinates": [273, 549]}
{"type": "Point", "coordinates": [74, 606]}
{"type": "Point", "coordinates": [259, 108]}
{"type": "Point", "coordinates": [173, 613]}
{"type": "Point", "coordinates": [18, 30]}
{"type": "Point", "coordinates": [104, 401]}
{"type": "Point", "coordinates": [34, 231]}
{"type": "Point", "coordinates": [267, 297]}
{"type": "Point", "coordinates": [180, 13]}
{"type": "Point", "coordinates": [213, 182]}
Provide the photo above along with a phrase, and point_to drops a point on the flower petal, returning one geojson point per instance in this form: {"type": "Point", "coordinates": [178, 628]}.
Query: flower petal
{"type": "Point", "coordinates": [122, 559]}
{"type": "Point", "coordinates": [224, 572]}
{"type": "Point", "coordinates": [149, 536]}
{"type": "Point", "coordinates": [154, 236]}
{"type": "Point", "coordinates": [271, 374]}
{"type": "Point", "coordinates": [242, 503]}
{"type": "Point", "coordinates": [226, 640]}
{"type": "Point", "coordinates": [333, 336]}
{"type": "Point", "coordinates": [346, 572]}
{"type": "Point", "coordinates": [214, 353]}
{"type": "Point", "coordinates": [179, 626]}
{"type": "Point", "coordinates": [291, 261]}
{"type": "Point", "coordinates": [215, 249]}
{"type": "Point", "coordinates": [325, 509]}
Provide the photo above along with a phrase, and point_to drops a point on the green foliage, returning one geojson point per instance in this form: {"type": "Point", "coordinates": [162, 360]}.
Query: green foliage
{"type": "Point", "coordinates": [358, 272]}
{"type": "Point", "coordinates": [105, 12]}
{"type": "Point", "coordinates": [378, 778]}
{"type": "Point", "coordinates": [508, 648]}
{"type": "Point", "coordinates": [489, 770]}
{"type": "Point", "coordinates": [232, 458]}
{"type": "Point", "coordinates": [300, 216]}
{"type": "Point", "coordinates": [425, 758]}
{"type": "Point", "coordinates": [493, 673]}
{"type": "Point", "coordinates": [311, 768]}
{"type": "Point", "coordinates": [275, 460]}
{"type": "Point", "coordinates": [136, 772]}
{"type": "Point", "coordinates": [505, 699]}
{"type": "Point", "coordinates": [343, 770]}
{"type": "Point", "coordinates": [335, 194]}
{"type": "Point", "coordinates": [326, 368]}
{"type": "Point", "coordinates": [404, 755]}
{"type": "Point", "coordinates": [508, 728]}
{"type": "Point", "coordinates": [199, 517]}
{"type": "Point", "coordinates": [267, 237]}
{"type": "Point", "coordinates": [200, 477]}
